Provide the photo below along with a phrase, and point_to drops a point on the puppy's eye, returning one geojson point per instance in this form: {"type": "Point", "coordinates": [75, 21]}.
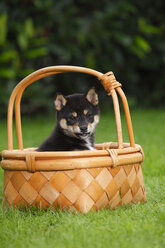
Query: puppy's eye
{"type": "Point", "coordinates": [71, 120]}
{"type": "Point", "coordinates": [89, 117]}
{"type": "Point", "coordinates": [89, 114]}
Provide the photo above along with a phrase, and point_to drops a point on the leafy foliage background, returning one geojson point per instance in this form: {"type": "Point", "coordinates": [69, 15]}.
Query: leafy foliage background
{"type": "Point", "coordinates": [124, 36]}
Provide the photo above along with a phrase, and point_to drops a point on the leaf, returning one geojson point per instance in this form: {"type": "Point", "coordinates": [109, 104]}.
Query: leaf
{"type": "Point", "coordinates": [29, 28]}
{"type": "Point", "coordinates": [25, 36]}
{"type": "Point", "coordinates": [142, 43]}
{"type": "Point", "coordinates": [39, 41]}
{"type": "Point", "coordinates": [3, 28]}
{"type": "Point", "coordinates": [37, 52]}
{"type": "Point", "coordinates": [90, 61]}
{"type": "Point", "coordinates": [7, 73]}
{"type": "Point", "coordinates": [148, 29]}
{"type": "Point", "coordinates": [8, 56]}
{"type": "Point", "coordinates": [137, 51]}
{"type": "Point", "coordinates": [22, 41]}
{"type": "Point", "coordinates": [25, 72]}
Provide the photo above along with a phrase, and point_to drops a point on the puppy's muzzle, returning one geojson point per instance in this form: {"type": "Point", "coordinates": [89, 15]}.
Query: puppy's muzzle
{"type": "Point", "coordinates": [84, 129]}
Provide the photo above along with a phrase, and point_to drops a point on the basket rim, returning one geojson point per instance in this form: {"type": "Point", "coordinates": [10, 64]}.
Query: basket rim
{"type": "Point", "coordinates": [107, 154]}
{"type": "Point", "coordinates": [101, 150]}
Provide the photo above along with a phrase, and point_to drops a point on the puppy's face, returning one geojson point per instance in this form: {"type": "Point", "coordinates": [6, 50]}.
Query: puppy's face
{"type": "Point", "coordinates": [78, 114]}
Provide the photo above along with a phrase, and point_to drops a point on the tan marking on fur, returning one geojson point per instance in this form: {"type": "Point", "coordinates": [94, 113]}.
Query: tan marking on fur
{"type": "Point", "coordinates": [92, 126]}
{"type": "Point", "coordinates": [85, 111]}
{"type": "Point", "coordinates": [74, 114]}
{"type": "Point", "coordinates": [75, 125]}
{"type": "Point", "coordinates": [63, 123]}
{"type": "Point", "coordinates": [76, 128]}
{"type": "Point", "coordinates": [68, 129]}
{"type": "Point", "coordinates": [96, 119]}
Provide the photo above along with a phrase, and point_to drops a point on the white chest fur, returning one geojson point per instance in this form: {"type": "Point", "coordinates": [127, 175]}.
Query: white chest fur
{"type": "Point", "coordinates": [88, 145]}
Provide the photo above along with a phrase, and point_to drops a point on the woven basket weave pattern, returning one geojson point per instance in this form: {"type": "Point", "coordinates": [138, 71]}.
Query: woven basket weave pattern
{"type": "Point", "coordinates": [80, 189]}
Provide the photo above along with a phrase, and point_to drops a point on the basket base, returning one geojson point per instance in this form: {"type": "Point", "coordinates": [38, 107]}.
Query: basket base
{"type": "Point", "coordinates": [80, 189]}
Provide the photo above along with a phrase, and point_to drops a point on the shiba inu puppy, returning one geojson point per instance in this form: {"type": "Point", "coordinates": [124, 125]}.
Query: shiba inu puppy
{"type": "Point", "coordinates": [77, 117]}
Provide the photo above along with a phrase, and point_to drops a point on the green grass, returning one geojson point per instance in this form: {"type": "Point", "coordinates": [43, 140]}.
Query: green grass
{"type": "Point", "coordinates": [140, 225]}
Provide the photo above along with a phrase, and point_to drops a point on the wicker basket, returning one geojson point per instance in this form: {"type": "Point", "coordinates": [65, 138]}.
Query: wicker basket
{"type": "Point", "coordinates": [82, 180]}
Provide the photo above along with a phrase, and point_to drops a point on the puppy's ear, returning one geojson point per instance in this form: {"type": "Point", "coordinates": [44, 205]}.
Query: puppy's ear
{"type": "Point", "coordinates": [60, 102]}
{"type": "Point", "coordinates": [92, 96]}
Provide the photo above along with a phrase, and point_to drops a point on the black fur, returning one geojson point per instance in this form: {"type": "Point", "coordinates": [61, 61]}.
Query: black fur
{"type": "Point", "coordinates": [60, 139]}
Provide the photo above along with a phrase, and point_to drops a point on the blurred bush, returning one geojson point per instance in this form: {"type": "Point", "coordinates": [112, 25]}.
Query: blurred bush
{"type": "Point", "coordinates": [124, 36]}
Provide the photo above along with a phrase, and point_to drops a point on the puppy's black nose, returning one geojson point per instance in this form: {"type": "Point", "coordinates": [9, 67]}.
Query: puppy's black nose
{"type": "Point", "coordinates": [83, 129]}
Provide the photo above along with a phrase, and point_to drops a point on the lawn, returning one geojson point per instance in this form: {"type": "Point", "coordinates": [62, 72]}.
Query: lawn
{"type": "Point", "coordinates": [140, 225]}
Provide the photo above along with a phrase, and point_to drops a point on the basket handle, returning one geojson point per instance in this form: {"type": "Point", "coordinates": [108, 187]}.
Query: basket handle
{"type": "Point", "coordinates": [108, 81]}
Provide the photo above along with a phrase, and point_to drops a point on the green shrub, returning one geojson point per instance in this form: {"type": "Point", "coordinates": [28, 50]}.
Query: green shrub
{"type": "Point", "coordinates": [122, 36]}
